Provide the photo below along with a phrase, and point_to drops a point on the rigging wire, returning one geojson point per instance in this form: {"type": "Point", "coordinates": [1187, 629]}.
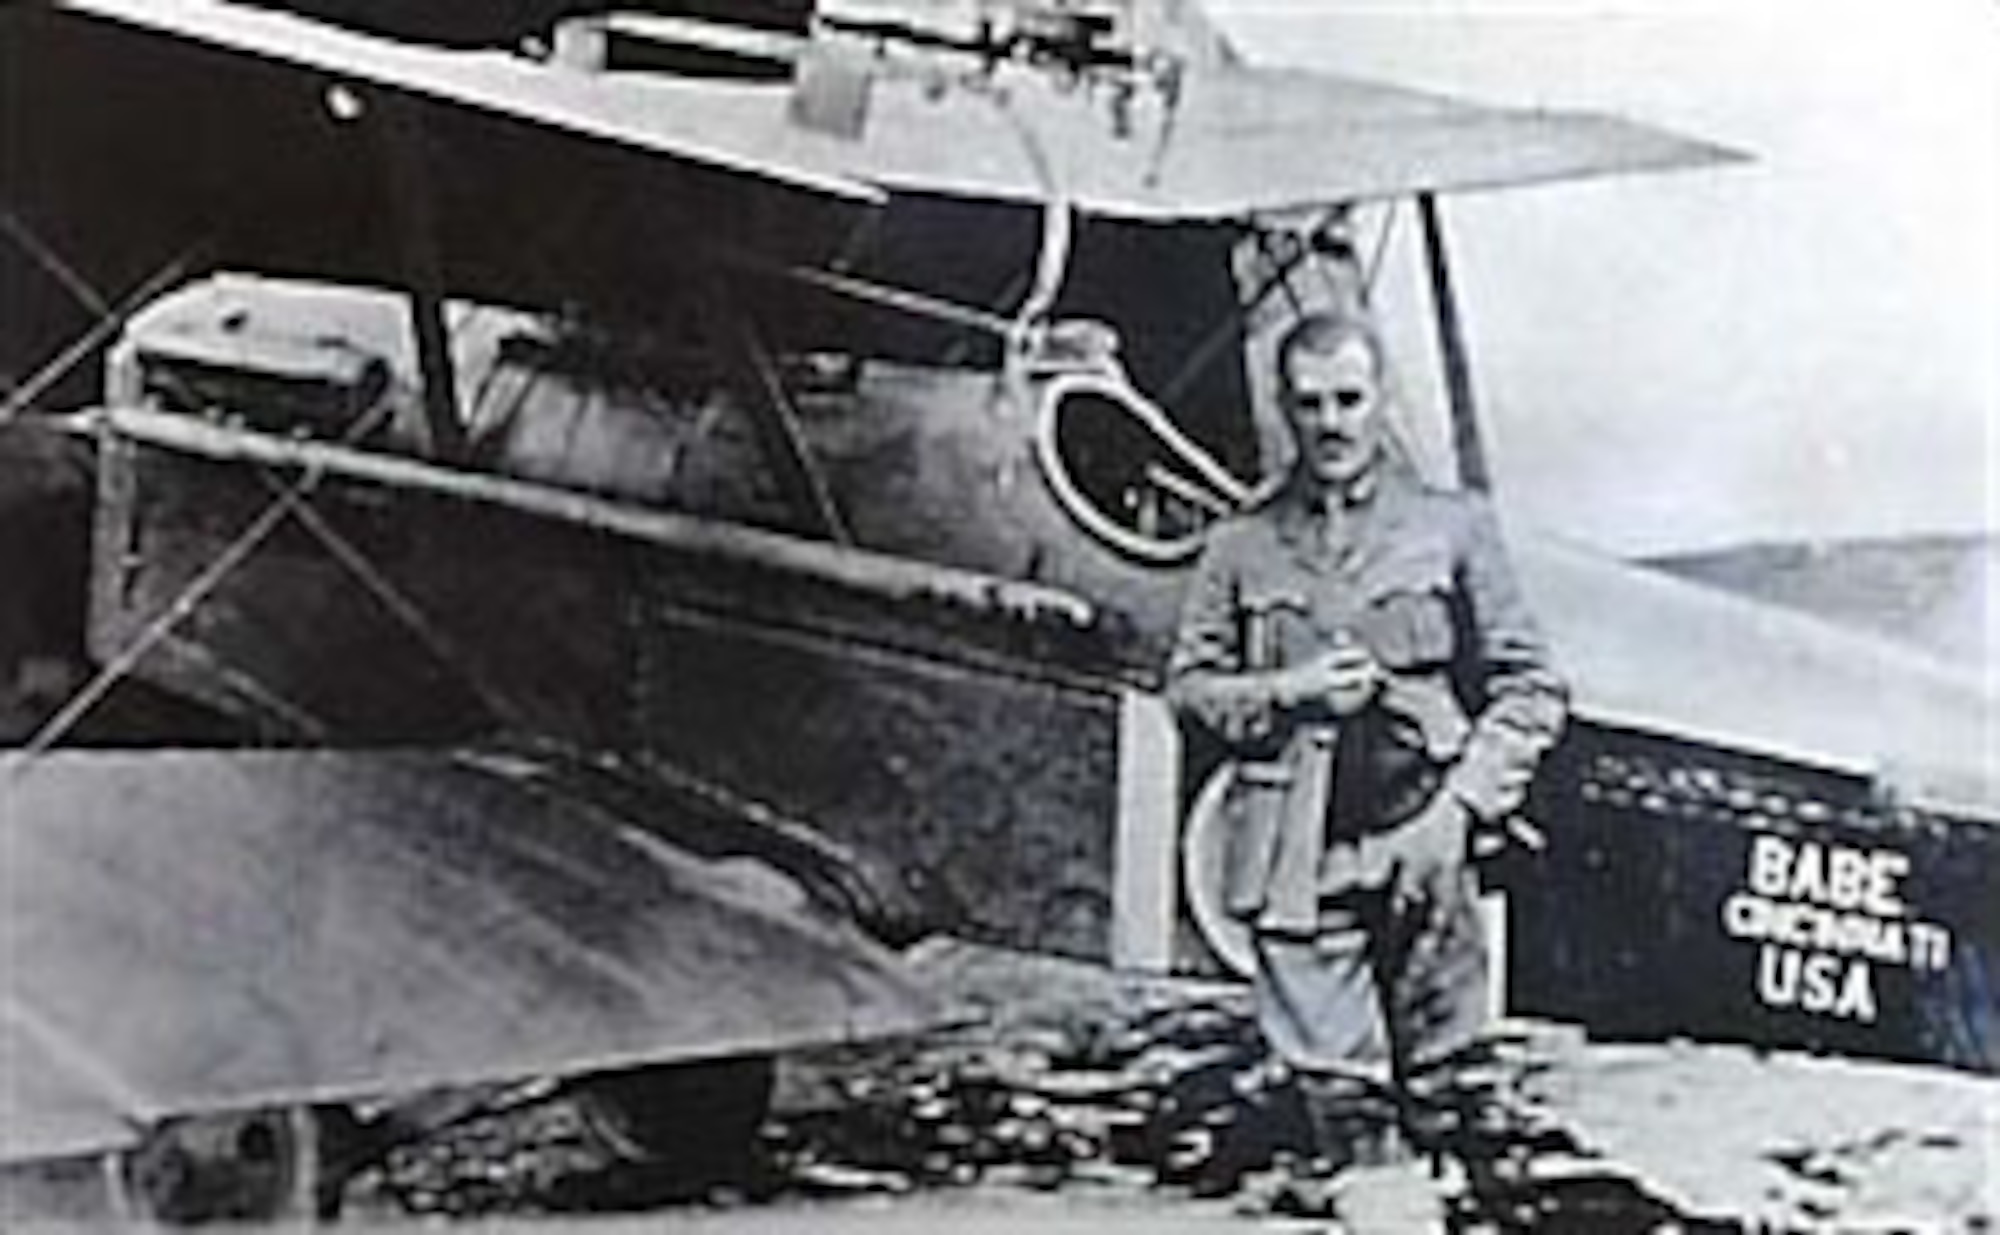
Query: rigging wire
{"type": "Point", "coordinates": [59, 367]}
{"type": "Point", "coordinates": [19, 763]}
{"type": "Point", "coordinates": [52, 261]}
{"type": "Point", "coordinates": [406, 611]}
{"type": "Point", "coordinates": [1372, 274]}
{"type": "Point", "coordinates": [904, 300]}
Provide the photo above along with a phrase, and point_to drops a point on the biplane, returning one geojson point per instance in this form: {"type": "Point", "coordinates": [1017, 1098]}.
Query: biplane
{"type": "Point", "coordinates": [663, 503]}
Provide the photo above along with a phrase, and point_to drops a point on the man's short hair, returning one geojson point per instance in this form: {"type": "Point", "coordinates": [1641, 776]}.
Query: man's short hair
{"type": "Point", "coordinates": [1323, 334]}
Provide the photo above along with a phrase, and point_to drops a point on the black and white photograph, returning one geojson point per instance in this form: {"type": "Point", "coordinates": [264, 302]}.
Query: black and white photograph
{"type": "Point", "coordinates": [997, 616]}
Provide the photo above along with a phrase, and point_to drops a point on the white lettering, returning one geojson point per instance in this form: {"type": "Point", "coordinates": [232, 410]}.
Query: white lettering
{"type": "Point", "coordinates": [1835, 875]}
{"type": "Point", "coordinates": [1770, 857]}
{"type": "Point", "coordinates": [1777, 976]}
{"type": "Point", "coordinates": [1743, 916]}
{"type": "Point", "coordinates": [1848, 877]}
{"type": "Point", "coordinates": [1822, 916]}
{"type": "Point", "coordinates": [1893, 947]}
{"type": "Point", "coordinates": [1808, 926]}
{"type": "Point", "coordinates": [1819, 972]}
{"type": "Point", "coordinates": [1930, 946]}
{"type": "Point", "coordinates": [1808, 879]}
{"type": "Point", "coordinates": [1815, 982]}
{"type": "Point", "coordinates": [1816, 928]}
{"type": "Point", "coordinates": [1857, 993]}
{"type": "Point", "coordinates": [1889, 866]}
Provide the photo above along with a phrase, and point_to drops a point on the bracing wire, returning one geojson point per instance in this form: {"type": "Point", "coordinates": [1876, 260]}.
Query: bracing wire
{"type": "Point", "coordinates": [60, 366]}
{"type": "Point", "coordinates": [21, 762]}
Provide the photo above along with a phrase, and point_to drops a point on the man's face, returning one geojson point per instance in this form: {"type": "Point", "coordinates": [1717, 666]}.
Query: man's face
{"type": "Point", "coordinates": [1335, 409]}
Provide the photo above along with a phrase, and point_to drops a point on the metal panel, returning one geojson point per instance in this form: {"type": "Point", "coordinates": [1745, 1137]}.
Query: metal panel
{"type": "Point", "coordinates": [1870, 931]}
{"type": "Point", "coordinates": [228, 929]}
{"type": "Point", "coordinates": [992, 795]}
{"type": "Point", "coordinates": [277, 639]}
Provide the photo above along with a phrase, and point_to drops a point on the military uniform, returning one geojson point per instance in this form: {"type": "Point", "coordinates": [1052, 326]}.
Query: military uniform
{"type": "Point", "coordinates": [1361, 972]}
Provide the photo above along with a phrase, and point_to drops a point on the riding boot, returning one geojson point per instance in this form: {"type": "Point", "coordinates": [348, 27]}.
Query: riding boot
{"type": "Point", "coordinates": [1353, 1122]}
{"type": "Point", "coordinates": [1367, 1175]}
{"type": "Point", "coordinates": [1353, 1125]}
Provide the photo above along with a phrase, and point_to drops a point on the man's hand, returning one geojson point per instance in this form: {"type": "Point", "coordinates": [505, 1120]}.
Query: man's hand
{"type": "Point", "coordinates": [1492, 777]}
{"type": "Point", "coordinates": [1343, 678]}
{"type": "Point", "coordinates": [1428, 851]}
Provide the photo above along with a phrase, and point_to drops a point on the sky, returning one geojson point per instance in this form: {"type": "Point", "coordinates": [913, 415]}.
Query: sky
{"type": "Point", "coordinates": [1803, 346]}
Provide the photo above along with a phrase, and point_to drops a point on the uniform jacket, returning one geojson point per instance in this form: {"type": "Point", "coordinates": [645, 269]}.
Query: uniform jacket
{"type": "Point", "coordinates": [1418, 577]}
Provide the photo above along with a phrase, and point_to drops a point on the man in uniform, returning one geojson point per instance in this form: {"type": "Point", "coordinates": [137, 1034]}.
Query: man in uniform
{"type": "Point", "coordinates": [1357, 642]}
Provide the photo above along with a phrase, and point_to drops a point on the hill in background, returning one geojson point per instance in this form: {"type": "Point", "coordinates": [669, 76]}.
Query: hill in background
{"type": "Point", "coordinates": [1934, 592]}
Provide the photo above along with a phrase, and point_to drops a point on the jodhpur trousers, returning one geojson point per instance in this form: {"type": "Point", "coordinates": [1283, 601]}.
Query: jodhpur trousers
{"type": "Point", "coordinates": [1382, 990]}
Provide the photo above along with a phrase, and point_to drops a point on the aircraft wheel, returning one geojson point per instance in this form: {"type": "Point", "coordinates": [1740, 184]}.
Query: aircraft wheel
{"type": "Point", "coordinates": [1202, 842]}
{"type": "Point", "coordinates": [255, 1166]}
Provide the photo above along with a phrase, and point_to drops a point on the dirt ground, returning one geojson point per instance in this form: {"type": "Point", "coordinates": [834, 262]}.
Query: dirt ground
{"type": "Point", "coordinates": [1074, 1099]}
{"type": "Point", "coordinates": [1053, 1109]}
{"type": "Point", "coordinates": [1719, 1133]}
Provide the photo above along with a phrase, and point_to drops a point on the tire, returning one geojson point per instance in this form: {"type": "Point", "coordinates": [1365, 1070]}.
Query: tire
{"type": "Point", "coordinates": [256, 1166]}
{"type": "Point", "coordinates": [689, 1127]}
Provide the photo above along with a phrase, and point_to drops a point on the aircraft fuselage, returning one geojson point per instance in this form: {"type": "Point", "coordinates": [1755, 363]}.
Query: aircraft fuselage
{"type": "Point", "coordinates": [966, 696]}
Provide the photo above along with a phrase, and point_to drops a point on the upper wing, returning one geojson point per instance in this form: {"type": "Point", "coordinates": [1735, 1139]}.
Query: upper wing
{"type": "Point", "coordinates": [1237, 142]}
{"type": "Point", "coordinates": [586, 105]}
{"type": "Point", "coordinates": [136, 133]}
{"type": "Point", "coordinates": [1218, 142]}
{"type": "Point", "coordinates": [188, 931]}
{"type": "Point", "coordinates": [265, 140]}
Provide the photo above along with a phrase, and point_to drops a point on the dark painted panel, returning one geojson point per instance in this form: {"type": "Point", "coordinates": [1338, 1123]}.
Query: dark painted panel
{"type": "Point", "coordinates": [994, 795]}
{"type": "Point", "coordinates": [972, 750]}
{"type": "Point", "coordinates": [1669, 904]}
{"type": "Point", "coordinates": [521, 612]}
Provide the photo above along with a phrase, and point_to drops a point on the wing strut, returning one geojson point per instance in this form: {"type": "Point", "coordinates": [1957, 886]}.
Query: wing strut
{"type": "Point", "coordinates": [1468, 447]}
{"type": "Point", "coordinates": [776, 420]}
{"type": "Point", "coordinates": [423, 270]}
{"type": "Point", "coordinates": [1231, 326]}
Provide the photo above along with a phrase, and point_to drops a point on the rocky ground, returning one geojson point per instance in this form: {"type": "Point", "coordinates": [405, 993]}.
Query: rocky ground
{"type": "Point", "coordinates": [1076, 1099]}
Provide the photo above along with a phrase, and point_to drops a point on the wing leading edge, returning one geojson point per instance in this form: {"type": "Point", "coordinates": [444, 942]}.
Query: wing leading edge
{"type": "Point", "coordinates": [1216, 143]}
